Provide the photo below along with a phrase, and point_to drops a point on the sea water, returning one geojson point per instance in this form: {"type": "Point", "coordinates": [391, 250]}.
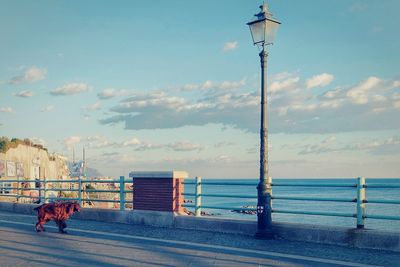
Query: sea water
{"type": "Point", "coordinates": [295, 205]}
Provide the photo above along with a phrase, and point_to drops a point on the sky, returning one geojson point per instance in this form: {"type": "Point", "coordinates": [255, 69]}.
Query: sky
{"type": "Point", "coordinates": [175, 85]}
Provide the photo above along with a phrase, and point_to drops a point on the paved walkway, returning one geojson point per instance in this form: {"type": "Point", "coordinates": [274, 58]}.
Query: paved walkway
{"type": "Point", "coordinates": [91, 243]}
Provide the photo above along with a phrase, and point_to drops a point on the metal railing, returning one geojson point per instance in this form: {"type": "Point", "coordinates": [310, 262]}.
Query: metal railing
{"type": "Point", "coordinates": [82, 195]}
{"type": "Point", "coordinates": [360, 200]}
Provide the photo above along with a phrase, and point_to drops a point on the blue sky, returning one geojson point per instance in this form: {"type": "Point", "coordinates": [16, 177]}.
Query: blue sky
{"type": "Point", "coordinates": [167, 85]}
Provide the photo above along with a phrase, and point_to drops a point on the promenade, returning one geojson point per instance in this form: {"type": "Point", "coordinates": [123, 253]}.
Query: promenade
{"type": "Point", "coordinates": [91, 243]}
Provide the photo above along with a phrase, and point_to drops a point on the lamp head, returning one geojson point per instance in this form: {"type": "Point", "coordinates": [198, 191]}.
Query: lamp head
{"type": "Point", "coordinates": [263, 29]}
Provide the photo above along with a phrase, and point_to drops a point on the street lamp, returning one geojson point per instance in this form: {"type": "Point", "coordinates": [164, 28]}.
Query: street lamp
{"type": "Point", "coordinates": [263, 31]}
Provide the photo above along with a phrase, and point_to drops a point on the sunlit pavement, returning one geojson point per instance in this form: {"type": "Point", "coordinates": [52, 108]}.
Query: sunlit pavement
{"type": "Point", "coordinates": [90, 243]}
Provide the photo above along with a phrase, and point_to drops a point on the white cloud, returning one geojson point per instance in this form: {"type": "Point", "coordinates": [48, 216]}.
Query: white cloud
{"type": "Point", "coordinates": [69, 142]}
{"type": "Point", "coordinates": [148, 146]}
{"type": "Point", "coordinates": [290, 111]}
{"type": "Point", "coordinates": [95, 106]}
{"type": "Point", "coordinates": [317, 148]}
{"type": "Point", "coordinates": [208, 85]}
{"type": "Point", "coordinates": [47, 108]}
{"type": "Point", "coordinates": [396, 84]}
{"type": "Point", "coordinates": [6, 109]}
{"type": "Point", "coordinates": [379, 98]}
{"type": "Point", "coordinates": [396, 100]}
{"type": "Point", "coordinates": [229, 46]}
{"type": "Point", "coordinates": [110, 93]}
{"type": "Point", "coordinates": [97, 142]}
{"type": "Point", "coordinates": [333, 93]}
{"type": "Point", "coordinates": [185, 146]}
{"type": "Point", "coordinates": [71, 89]}
{"type": "Point", "coordinates": [157, 100]}
{"type": "Point", "coordinates": [224, 144]}
{"type": "Point", "coordinates": [320, 80]}
{"type": "Point", "coordinates": [33, 74]}
{"type": "Point", "coordinates": [303, 107]}
{"type": "Point", "coordinates": [141, 146]}
{"type": "Point", "coordinates": [227, 85]}
{"type": "Point", "coordinates": [177, 146]}
{"type": "Point", "coordinates": [223, 159]}
{"type": "Point", "coordinates": [284, 83]}
{"type": "Point", "coordinates": [132, 142]}
{"type": "Point", "coordinates": [359, 93]}
{"type": "Point", "coordinates": [24, 94]}
{"type": "Point", "coordinates": [332, 104]}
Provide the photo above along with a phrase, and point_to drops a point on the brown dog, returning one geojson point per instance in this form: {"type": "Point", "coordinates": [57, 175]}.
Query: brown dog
{"type": "Point", "coordinates": [59, 212]}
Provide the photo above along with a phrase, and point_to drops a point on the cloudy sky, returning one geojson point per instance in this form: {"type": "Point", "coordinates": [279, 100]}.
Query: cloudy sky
{"type": "Point", "coordinates": [162, 85]}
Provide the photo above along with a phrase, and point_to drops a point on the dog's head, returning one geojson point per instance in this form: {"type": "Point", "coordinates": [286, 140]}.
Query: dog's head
{"type": "Point", "coordinates": [73, 207]}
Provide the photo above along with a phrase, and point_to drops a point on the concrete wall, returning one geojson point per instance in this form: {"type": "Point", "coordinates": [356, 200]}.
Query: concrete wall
{"type": "Point", "coordinates": [360, 238]}
{"type": "Point", "coordinates": [50, 167]}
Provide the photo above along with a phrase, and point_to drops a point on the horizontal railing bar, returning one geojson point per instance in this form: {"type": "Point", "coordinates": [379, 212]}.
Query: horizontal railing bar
{"type": "Point", "coordinates": [382, 185]}
{"type": "Point", "coordinates": [228, 196]}
{"type": "Point", "coordinates": [227, 183]}
{"type": "Point", "coordinates": [60, 189]}
{"type": "Point", "coordinates": [57, 181]}
{"type": "Point", "coordinates": [16, 181]}
{"type": "Point", "coordinates": [39, 189]}
{"type": "Point", "coordinates": [29, 189]}
{"type": "Point", "coordinates": [100, 181]}
{"type": "Point", "coordinates": [100, 200]}
{"type": "Point", "coordinates": [336, 214]}
{"type": "Point", "coordinates": [22, 196]}
{"type": "Point", "coordinates": [100, 191]}
{"type": "Point", "coordinates": [315, 199]}
{"type": "Point", "coordinates": [9, 195]}
{"type": "Point", "coordinates": [63, 198]}
{"type": "Point", "coordinates": [220, 195]}
{"type": "Point", "coordinates": [378, 201]}
{"type": "Point", "coordinates": [61, 181]}
{"type": "Point", "coordinates": [12, 188]}
{"type": "Point", "coordinates": [226, 208]}
{"type": "Point", "coordinates": [220, 183]}
{"type": "Point", "coordinates": [382, 217]}
{"type": "Point", "coordinates": [189, 182]}
{"type": "Point", "coordinates": [189, 194]}
{"type": "Point", "coordinates": [315, 184]}
{"type": "Point", "coordinates": [188, 205]}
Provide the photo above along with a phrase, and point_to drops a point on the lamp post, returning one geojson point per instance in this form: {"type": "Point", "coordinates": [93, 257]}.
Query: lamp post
{"type": "Point", "coordinates": [263, 31]}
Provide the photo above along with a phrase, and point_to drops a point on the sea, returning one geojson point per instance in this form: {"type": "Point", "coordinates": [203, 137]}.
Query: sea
{"type": "Point", "coordinates": [328, 192]}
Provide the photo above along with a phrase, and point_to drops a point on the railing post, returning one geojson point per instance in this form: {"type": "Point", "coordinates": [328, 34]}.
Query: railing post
{"type": "Point", "coordinates": [360, 202]}
{"type": "Point", "coordinates": [121, 193]}
{"type": "Point", "coordinates": [198, 197]}
{"type": "Point", "coordinates": [18, 189]}
{"type": "Point", "coordinates": [45, 200]}
{"type": "Point", "coordinates": [80, 190]}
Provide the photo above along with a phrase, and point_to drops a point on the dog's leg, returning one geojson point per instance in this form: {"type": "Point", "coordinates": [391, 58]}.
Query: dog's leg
{"type": "Point", "coordinates": [61, 225]}
{"type": "Point", "coordinates": [40, 226]}
{"type": "Point", "coordinates": [37, 227]}
{"type": "Point", "coordinates": [64, 225]}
